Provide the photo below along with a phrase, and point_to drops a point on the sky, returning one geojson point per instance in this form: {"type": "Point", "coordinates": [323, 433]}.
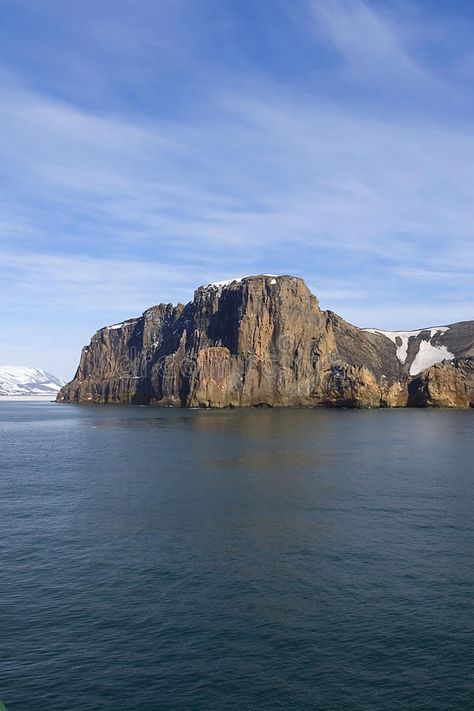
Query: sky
{"type": "Point", "coordinates": [150, 146]}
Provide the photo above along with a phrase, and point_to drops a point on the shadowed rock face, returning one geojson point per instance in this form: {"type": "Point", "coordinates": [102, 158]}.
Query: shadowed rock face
{"type": "Point", "coordinates": [261, 340]}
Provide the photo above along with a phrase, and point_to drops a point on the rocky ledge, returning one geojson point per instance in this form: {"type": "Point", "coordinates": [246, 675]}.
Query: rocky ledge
{"type": "Point", "coordinates": [264, 341]}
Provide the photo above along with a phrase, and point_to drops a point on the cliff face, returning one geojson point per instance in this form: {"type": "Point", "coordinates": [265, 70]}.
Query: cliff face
{"type": "Point", "coordinates": [260, 340]}
{"type": "Point", "coordinates": [447, 384]}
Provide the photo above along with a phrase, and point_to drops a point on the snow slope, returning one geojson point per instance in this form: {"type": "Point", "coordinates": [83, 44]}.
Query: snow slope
{"type": "Point", "coordinates": [430, 350]}
{"type": "Point", "coordinates": [17, 380]}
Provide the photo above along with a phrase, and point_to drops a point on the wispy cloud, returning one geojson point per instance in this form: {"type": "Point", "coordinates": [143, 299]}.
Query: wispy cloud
{"type": "Point", "coordinates": [109, 207]}
{"type": "Point", "coordinates": [363, 36]}
{"type": "Point", "coordinates": [308, 172]}
{"type": "Point", "coordinates": [372, 44]}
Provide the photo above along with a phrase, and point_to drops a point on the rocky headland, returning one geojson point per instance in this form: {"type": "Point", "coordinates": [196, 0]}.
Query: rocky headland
{"type": "Point", "coordinates": [264, 341]}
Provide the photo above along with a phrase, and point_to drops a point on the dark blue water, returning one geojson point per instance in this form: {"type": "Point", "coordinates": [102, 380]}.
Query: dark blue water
{"type": "Point", "coordinates": [269, 559]}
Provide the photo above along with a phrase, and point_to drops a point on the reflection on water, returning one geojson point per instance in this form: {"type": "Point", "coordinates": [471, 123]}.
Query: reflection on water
{"type": "Point", "coordinates": [259, 559]}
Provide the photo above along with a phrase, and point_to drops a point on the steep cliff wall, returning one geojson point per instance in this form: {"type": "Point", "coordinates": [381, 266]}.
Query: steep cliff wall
{"type": "Point", "coordinates": [261, 340]}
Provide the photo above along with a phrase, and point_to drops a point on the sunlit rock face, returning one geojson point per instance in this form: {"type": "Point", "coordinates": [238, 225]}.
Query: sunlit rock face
{"type": "Point", "coordinates": [256, 341]}
{"type": "Point", "coordinates": [447, 384]}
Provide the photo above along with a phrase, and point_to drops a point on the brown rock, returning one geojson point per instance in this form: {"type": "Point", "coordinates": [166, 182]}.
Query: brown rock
{"type": "Point", "coordinates": [446, 384]}
{"type": "Point", "coordinates": [258, 341]}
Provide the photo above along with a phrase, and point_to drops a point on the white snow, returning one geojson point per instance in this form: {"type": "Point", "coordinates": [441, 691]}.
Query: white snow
{"type": "Point", "coordinates": [402, 350]}
{"type": "Point", "coordinates": [227, 282]}
{"type": "Point", "coordinates": [115, 326]}
{"type": "Point", "coordinates": [427, 354]}
{"type": "Point", "coordinates": [18, 380]}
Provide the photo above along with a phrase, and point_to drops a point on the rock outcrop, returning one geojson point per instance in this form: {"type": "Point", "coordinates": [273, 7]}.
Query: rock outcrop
{"type": "Point", "coordinates": [447, 384]}
{"type": "Point", "coordinates": [256, 341]}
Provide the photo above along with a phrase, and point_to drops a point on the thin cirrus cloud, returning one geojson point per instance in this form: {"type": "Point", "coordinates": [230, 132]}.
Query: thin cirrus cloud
{"type": "Point", "coordinates": [368, 42]}
{"type": "Point", "coordinates": [109, 208]}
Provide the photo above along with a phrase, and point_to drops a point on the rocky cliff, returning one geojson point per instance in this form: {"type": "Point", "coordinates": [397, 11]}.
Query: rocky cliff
{"type": "Point", "coordinates": [261, 340]}
{"type": "Point", "coordinates": [446, 384]}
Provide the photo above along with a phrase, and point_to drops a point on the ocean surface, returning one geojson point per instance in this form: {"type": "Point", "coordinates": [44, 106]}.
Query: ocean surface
{"type": "Point", "coordinates": [156, 559]}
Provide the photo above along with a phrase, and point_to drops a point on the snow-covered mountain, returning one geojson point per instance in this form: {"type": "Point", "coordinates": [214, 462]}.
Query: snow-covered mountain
{"type": "Point", "coordinates": [17, 380]}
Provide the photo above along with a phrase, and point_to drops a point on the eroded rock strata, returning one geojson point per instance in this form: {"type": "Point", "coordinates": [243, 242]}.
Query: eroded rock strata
{"type": "Point", "coordinates": [264, 340]}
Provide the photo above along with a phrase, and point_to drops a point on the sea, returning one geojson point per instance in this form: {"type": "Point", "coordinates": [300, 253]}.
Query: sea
{"type": "Point", "coordinates": [200, 560]}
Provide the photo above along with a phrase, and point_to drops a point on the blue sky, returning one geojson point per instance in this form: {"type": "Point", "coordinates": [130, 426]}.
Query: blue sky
{"type": "Point", "coordinates": [147, 147]}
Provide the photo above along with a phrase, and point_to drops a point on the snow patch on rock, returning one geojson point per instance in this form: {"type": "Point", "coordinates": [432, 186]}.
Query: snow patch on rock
{"type": "Point", "coordinates": [116, 326]}
{"type": "Point", "coordinates": [427, 355]}
{"type": "Point", "coordinates": [395, 336]}
{"type": "Point", "coordinates": [237, 280]}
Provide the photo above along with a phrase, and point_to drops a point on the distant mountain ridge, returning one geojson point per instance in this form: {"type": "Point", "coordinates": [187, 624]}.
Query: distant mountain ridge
{"type": "Point", "coordinates": [18, 380]}
{"type": "Point", "coordinates": [264, 340]}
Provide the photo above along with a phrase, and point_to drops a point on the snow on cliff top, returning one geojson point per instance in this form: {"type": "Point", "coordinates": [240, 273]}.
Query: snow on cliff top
{"type": "Point", "coordinates": [226, 282]}
{"type": "Point", "coordinates": [21, 380]}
